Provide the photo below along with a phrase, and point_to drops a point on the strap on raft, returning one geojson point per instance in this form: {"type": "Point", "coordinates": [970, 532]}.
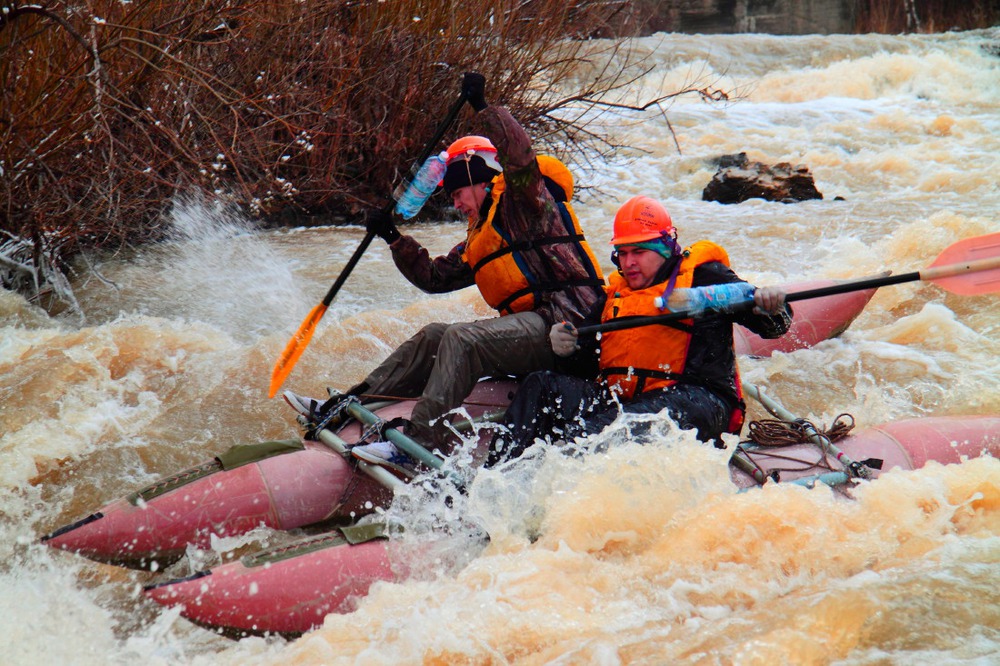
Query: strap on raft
{"type": "Point", "coordinates": [355, 534]}
{"type": "Point", "coordinates": [236, 456]}
{"type": "Point", "coordinates": [244, 454]}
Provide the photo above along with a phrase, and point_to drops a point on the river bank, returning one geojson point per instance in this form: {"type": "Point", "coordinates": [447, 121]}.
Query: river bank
{"type": "Point", "coordinates": [649, 555]}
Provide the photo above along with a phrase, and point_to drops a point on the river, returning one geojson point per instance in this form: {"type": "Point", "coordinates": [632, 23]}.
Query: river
{"type": "Point", "coordinates": [648, 554]}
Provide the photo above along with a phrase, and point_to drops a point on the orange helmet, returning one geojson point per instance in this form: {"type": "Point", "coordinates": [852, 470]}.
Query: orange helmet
{"type": "Point", "coordinates": [642, 219]}
{"type": "Point", "coordinates": [467, 146]}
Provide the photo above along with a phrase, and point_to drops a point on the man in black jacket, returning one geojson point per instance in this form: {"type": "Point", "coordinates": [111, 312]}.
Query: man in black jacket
{"type": "Point", "coordinates": [684, 367]}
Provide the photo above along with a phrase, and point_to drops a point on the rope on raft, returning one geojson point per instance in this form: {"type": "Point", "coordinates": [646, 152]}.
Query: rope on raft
{"type": "Point", "coordinates": [774, 434]}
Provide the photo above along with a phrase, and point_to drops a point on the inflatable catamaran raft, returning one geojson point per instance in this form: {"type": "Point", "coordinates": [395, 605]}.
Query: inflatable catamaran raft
{"type": "Point", "coordinates": [290, 589]}
{"type": "Point", "coordinates": [293, 483]}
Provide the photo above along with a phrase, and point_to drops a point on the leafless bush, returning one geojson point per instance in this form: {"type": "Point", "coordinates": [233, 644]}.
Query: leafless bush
{"type": "Point", "coordinates": [899, 16]}
{"type": "Point", "coordinates": [108, 109]}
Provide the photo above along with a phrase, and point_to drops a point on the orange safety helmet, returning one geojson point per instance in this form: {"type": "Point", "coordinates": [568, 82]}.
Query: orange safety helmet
{"type": "Point", "coordinates": [467, 146]}
{"type": "Point", "coordinates": [642, 219]}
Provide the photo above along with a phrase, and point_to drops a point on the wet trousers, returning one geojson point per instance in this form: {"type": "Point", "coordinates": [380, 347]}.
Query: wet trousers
{"type": "Point", "coordinates": [441, 364]}
{"type": "Point", "coordinates": [549, 405]}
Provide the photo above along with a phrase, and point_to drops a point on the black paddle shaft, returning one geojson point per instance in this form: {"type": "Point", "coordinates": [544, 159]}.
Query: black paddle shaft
{"type": "Point", "coordinates": [356, 257]}
{"type": "Point", "coordinates": [856, 285]}
{"type": "Point", "coordinates": [819, 292]}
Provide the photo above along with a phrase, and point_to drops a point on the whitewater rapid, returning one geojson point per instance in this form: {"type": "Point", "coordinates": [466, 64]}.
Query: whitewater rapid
{"type": "Point", "coordinates": [648, 555]}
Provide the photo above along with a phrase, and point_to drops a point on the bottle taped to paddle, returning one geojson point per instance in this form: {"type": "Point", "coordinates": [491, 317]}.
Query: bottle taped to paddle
{"type": "Point", "coordinates": [411, 199]}
{"type": "Point", "coordinates": [717, 297]}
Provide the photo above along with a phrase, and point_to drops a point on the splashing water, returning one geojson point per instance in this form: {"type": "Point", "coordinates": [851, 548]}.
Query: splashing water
{"type": "Point", "coordinates": [213, 267]}
{"type": "Point", "coordinates": [643, 554]}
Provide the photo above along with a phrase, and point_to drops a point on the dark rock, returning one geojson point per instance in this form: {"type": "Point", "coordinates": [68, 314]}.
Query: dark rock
{"type": "Point", "coordinates": [738, 160]}
{"type": "Point", "coordinates": [739, 179]}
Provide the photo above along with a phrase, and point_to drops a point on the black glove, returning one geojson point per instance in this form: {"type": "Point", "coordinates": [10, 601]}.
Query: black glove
{"type": "Point", "coordinates": [380, 223]}
{"type": "Point", "coordinates": [474, 89]}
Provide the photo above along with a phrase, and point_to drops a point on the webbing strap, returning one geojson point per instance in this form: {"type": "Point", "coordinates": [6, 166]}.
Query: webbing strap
{"type": "Point", "coordinates": [546, 287]}
{"type": "Point", "coordinates": [521, 246]}
{"type": "Point", "coordinates": [356, 534]}
{"type": "Point", "coordinates": [641, 373]}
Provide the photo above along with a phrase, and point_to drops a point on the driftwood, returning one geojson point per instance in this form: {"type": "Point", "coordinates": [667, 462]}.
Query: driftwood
{"type": "Point", "coordinates": [26, 270]}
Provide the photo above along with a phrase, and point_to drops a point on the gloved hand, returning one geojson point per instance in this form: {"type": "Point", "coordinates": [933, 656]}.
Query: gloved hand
{"type": "Point", "coordinates": [474, 89]}
{"type": "Point", "coordinates": [563, 337]}
{"type": "Point", "coordinates": [769, 300]}
{"type": "Point", "coordinates": [380, 223]}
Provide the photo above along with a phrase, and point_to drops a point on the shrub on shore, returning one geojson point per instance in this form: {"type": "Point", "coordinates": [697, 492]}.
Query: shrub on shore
{"type": "Point", "coordinates": [286, 108]}
{"type": "Point", "coordinates": [898, 16]}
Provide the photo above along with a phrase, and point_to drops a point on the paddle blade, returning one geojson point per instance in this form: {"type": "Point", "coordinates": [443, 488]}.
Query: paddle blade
{"type": "Point", "coordinates": [970, 267]}
{"type": "Point", "coordinates": [294, 348]}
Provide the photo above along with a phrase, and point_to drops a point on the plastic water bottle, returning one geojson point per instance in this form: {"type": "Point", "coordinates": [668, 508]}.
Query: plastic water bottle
{"type": "Point", "coordinates": [422, 186]}
{"type": "Point", "coordinates": [719, 297]}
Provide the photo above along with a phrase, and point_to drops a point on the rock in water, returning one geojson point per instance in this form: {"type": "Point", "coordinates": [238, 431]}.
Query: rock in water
{"type": "Point", "coordinates": [739, 179]}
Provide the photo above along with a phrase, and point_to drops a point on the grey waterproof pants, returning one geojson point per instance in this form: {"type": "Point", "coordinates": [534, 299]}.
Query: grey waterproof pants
{"type": "Point", "coordinates": [442, 363]}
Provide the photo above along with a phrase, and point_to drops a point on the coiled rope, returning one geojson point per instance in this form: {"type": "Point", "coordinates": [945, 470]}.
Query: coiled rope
{"type": "Point", "coordinates": [774, 432]}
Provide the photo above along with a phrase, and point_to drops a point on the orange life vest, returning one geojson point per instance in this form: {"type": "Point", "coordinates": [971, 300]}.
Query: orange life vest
{"type": "Point", "coordinates": [498, 264]}
{"type": "Point", "coordinates": [644, 358]}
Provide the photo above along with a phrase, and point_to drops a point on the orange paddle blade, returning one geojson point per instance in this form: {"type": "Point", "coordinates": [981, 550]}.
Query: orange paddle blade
{"type": "Point", "coordinates": [970, 267]}
{"type": "Point", "coordinates": [294, 348]}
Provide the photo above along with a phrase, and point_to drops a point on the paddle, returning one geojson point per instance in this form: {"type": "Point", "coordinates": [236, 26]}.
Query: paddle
{"type": "Point", "coordinates": [293, 350]}
{"type": "Point", "coordinates": [969, 267]}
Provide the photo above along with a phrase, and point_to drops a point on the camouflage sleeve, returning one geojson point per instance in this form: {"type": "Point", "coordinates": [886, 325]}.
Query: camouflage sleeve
{"type": "Point", "coordinates": [434, 276]}
{"type": "Point", "coordinates": [520, 169]}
